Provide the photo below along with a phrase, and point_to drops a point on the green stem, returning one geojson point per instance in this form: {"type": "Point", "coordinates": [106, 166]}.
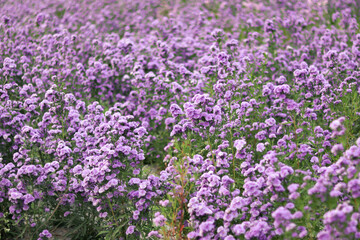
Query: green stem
{"type": "Point", "coordinates": [112, 211]}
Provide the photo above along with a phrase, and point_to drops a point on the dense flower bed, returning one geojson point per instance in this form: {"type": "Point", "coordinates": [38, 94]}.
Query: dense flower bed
{"type": "Point", "coordinates": [180, 119]}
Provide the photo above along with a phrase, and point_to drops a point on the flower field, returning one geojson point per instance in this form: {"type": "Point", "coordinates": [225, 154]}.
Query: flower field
{"type": "Point", "coordinates": [180, 119]}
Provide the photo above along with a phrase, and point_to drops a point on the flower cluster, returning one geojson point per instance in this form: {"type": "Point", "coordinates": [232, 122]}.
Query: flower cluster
{"type": "Point", "coordinates": [180, 119]}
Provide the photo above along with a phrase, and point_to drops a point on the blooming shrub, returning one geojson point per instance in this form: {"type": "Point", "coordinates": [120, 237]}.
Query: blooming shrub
{"type": "Point", "coordinates": [180, 119]}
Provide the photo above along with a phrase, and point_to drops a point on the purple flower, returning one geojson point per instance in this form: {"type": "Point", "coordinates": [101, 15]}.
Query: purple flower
{"type": "Point", "coordinates": [269, 26]}
{"type": "Point", "coordinates": [159, 219]}
{"type": "Point", "coordinates": [337, 148]}
{"type": "Point", "coordinates": [270, 122]}
{"type": "Point", "coordinates": [239, 144]}
{"type": "Point", "coordinates": [141, 131]}
{"type": "Point", "coordinates": [238, 229]}
{"type": "Point", "coordinates": [14, 194]}
{"type": "Point", "coordinates": [45, 233]}
{"type": "Point", "coordinates": [28, 198]}
{"type": "Point", "coordinates": [293, 187]}
{"type": "Point", "coordinates": [281, 216]}
{"type": "Point", "coordinates": [154, 234]}
{"type": "Point", "coordinates": [130, 230]}
{"type": "Point", "coordinates": [175, 110]}
{"type": "Point", "coordinates": [217, 33]}
{"type": "Point", "coordinates": [323, 235]}
{"type": "Point", "coordinates": [260, 147]}
{"type": "Point", "coordinates": [206, 227]}
{"type": "Point", "coordinates": [354, 187]}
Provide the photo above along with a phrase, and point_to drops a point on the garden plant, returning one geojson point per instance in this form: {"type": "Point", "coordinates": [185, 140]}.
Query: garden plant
{"type": "Point", "coordinates": [180, 119]}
